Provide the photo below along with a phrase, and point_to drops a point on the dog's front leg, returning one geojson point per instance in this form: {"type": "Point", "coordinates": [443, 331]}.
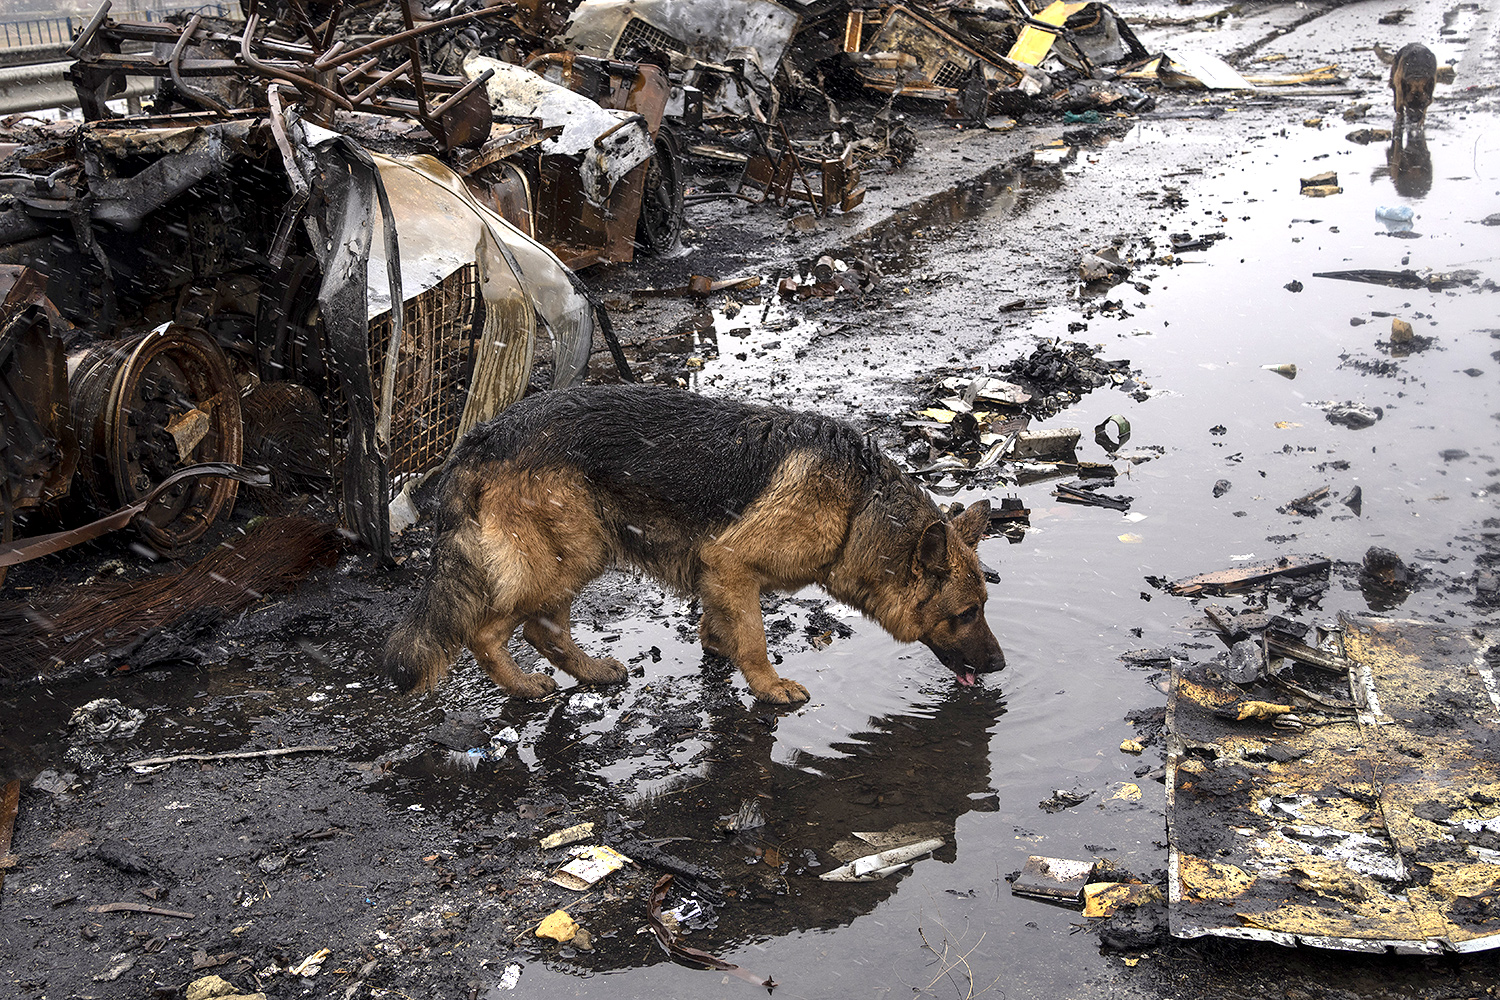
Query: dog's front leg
{"type": "Point", "coordinates": [489, 644]}
{"type": "Point", "coordinates": [550, 632]}
{"type": "Point", "coordinates": [733, 627]}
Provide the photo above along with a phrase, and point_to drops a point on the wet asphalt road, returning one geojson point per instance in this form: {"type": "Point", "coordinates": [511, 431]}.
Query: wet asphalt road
{"type": "Point", "coordinates": [413, 859]}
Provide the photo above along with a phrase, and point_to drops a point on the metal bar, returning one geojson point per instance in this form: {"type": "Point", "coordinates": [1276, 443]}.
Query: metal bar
{"type": "Point", "coordinates": [26, 549]}
{"type": "Point", "coordinates": [87, 34]}
{"type": "Point", "coordinates": [463, 92]}
{"type": "Point", "coordinates": [265, 69]}
{"type": "Point", "coordinates": [175, 63]}
{"type": "Point", "coordinates": [797, 162]}
{"type": "Point", "coordinates": [329, 61]}
{"type": "Point", "coordinates": [369, 92]}
{"type": "Point", "coordinates": [417, 82]}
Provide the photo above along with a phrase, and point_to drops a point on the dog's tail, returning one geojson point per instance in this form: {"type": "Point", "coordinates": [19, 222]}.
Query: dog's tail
{"type": "Point", "coordinates": [451, 608]}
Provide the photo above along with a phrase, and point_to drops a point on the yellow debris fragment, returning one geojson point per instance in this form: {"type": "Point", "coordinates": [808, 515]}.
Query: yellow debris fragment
{"type": "Point", "coordinates": [1133, 746]}
{"type": "Point", "coordinates": [1100, 899]}
{"type": "Point", "coordinates": [1262, 710]}
{"type": "Point", "coordinates": [1128, 791]}
{"type": "Point", "coordinates": [558, 926]}
{"type": "Point", "coordinates": [571, 835]}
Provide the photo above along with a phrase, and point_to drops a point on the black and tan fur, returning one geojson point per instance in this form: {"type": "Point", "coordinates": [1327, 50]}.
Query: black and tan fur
{"type": "Point", "coordinates": [719, 499]}
{"type": "Point", "coordinates": [1413, 79]}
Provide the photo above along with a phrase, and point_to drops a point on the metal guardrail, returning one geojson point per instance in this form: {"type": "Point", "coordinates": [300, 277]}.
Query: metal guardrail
{"type": "Point", "coordinates": [44, 86]}
{"type": "Point", "coordinates": [60, 29]}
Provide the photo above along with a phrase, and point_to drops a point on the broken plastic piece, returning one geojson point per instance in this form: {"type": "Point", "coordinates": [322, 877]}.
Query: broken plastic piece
{"type": "Point", "coordinates": [680, 952]}
{"type": "Point", "coordinates": [878, 866]}
{"type": "Point", "coordinates": [1056, 443]}
{"type": "Point", "coordinates": [1122, 433]}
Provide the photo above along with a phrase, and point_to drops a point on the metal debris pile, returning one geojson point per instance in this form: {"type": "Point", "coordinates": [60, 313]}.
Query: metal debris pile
{"type": "Point", "coordinates": [207, 274]}
{"type": "Point", "coordinates": [978, 427]}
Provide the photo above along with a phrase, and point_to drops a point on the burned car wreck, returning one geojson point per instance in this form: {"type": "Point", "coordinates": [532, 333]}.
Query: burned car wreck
{"type": "Point", "coordinates": [214, 282]}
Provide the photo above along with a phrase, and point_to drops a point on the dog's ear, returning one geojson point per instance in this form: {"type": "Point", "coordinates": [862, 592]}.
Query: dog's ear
{"type": "Point", "coordinates": [932, 550]}
{"type": "Point", "coordinates": [972, 522]}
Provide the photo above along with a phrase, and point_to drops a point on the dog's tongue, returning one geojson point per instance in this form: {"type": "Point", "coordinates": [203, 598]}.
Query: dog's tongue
{"type": "Point", "coordinates": [967, 678]}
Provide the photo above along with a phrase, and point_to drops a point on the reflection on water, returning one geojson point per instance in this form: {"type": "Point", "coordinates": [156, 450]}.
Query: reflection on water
{"type": "Point", "coordinates": [1409, 165]}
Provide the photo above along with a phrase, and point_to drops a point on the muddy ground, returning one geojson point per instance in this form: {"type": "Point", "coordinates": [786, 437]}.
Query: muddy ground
{"type": "Point", "coordinates": [407, 842]}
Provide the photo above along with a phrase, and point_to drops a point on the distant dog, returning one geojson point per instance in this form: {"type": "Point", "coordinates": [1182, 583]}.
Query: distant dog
{"type": "Point", "coordinates": [1413, 77]}
{"type": "Point", "coordinates": [720, 499]}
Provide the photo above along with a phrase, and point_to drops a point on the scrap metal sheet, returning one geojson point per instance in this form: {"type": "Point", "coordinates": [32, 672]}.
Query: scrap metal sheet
{"type": "Point", "coordinates": [1376, 829]}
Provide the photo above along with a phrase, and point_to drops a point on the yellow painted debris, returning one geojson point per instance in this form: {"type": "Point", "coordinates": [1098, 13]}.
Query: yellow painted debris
{"type": "Point", "coordinates": [1132, 746]}
{"type": "Point", "coordinates": [1261, 710]}
{"type": "Point", "coordinates": [1128, 791]}
{"type": "Point", "coordinates": [571, 835]}
{"type": "Point", "coordinates": [1100, 899]}
{"type": "Point", "coordinates": [558, 926]}
{"type": "Point", "coordinates": [1321, 75]}
{"type": "Point", "coordinates": [1034, 43]}
{"type": "Point", "coordinates": [1211, 880]}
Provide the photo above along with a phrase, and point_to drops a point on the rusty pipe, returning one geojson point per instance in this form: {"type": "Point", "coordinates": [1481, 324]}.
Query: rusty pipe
{"type": "Point", "coordinates": [463, 92]}
{"type": "Point", "coordinates": [87, 34]}
{"type": "Point", "coordinates": [329, 61]}
{"type": "Point", "coordinates": [368, 92]}
{"type": "Point", "coordinates": [267, 70]}
{"type": "Point", "coordinates": [174, 67]}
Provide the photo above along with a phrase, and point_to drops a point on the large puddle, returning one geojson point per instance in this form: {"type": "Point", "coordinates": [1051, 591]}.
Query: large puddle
{"type": "Point", "coordinates": [888, 740]}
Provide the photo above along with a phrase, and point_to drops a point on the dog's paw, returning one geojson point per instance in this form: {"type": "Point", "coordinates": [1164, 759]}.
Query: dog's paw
{"type": "Point", "coordinates": [532, 686]}
{"type": "Point", "coordinates": [602, 670]}
{"type": "Point", "coordinates": [782, 692]}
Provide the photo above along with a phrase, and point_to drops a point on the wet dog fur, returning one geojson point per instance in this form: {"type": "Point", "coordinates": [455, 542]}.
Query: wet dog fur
{"type": "Point", "coordinates": [719, 499]}
{"type": "Point", "coordinates": [1413, 78]}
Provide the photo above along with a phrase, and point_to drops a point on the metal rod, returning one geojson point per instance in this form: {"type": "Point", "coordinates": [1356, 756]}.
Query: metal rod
{"type": "Point", "coordinates": [463, 92]}
{"type": "Point", "coordinates": [265, 69]}
{"type": "Point", "coordinates": [330, 60]}
{"type": "Point", "coordinates": [87, 34]}
{"type": "Point", "coordinates": [368, 92]}
{"type": "Point", "coordinates": [174, 66]}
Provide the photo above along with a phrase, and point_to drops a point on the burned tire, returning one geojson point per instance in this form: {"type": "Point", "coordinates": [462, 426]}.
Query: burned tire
{"type": "Point", "coordinates": [659, 230]}
{"type": "Point", "coordinates": [143, 408]}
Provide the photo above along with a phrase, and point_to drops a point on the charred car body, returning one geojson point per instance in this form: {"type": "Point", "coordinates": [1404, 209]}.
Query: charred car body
{"type": "Point", "coordinates": [215, 281]}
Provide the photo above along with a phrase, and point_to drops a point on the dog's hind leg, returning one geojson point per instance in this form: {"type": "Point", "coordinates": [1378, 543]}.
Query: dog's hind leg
{"type": "Point", "coordinates": [549, 630]}
{"type": "Point", "coordinates": [489, 645]}
{"type": "Point", "coordinates": [733, 623]}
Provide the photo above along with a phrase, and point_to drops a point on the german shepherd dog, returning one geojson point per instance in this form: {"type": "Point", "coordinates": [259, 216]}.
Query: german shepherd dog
{"type": "Point", "coordinates": [720, 499]}
{"type": "Point", "coordinates": [1413, 77]}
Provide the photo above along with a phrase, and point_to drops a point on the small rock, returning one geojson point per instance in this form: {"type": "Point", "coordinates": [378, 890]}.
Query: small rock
{"type": "Point", "coordinates": [1400, 331]}
{"type": "Point", "coordinates": [208, 988]}
{"type": "Point", "coordinates": [1293, 286]}
{"type": "Point", "coordinates": [558, 926]}
{"type": "Point", "coordinates": [1134, 928]}
{"type": "Point", "coordinates": [1385, 567]}
{"type": "Point", "coordinates": [1222, 487]}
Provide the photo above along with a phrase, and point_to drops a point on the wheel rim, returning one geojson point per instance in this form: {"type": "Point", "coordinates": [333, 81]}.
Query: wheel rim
{"type": "Point", "coordinates": [171, 401]}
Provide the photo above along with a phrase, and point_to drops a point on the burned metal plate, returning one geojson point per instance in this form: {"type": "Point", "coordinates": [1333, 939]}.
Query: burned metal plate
{"type": "Point", "coordinates": [1369, 830]}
